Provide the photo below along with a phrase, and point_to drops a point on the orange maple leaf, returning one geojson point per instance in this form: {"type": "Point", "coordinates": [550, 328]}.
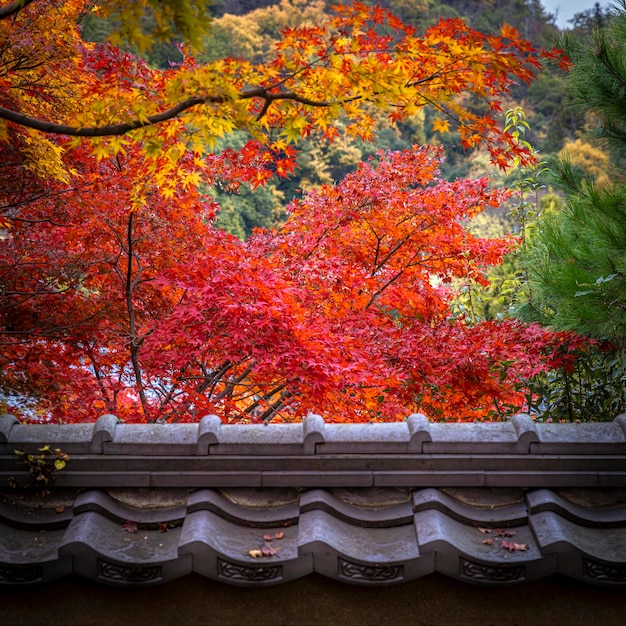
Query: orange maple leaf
{"type": "Point", "coordinates": [442, 126]}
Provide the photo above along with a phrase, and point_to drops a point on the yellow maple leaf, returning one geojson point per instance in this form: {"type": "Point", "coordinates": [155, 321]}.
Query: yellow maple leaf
{"type": "Point", "coordinates": [442, 126]}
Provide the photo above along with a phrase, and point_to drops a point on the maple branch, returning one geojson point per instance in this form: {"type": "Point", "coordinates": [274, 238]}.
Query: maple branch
{"type": "Point", "coordinates": [230, 386]}
{"type": "Point", "coordinates": [391, 252]}
{"type": "Point", "coordinates": [49, 287]}
{"type": "Point", "coordinates": [13, 8]}
{"type": "Point", "coordinates": [132, 328]}
{"type": "Point", "coordinates": [99, 379]}
{"type": "Point", "coordinates": [265, 397]}
{"type": "Point", "coordinates": [444, 110]}
{"type": "Point", "coordinates": [394, 278]}
{"type": "Point", "coordinates": [109, 130]}
{"type": "Point", "coordinates": [217, 376]}
{"type": "Point", "coordinates": [47, 333]}
{"type": "Point", "coordinates": [443, 71]}
{"type": "Point", "coordinates": [211, 378]}
{"type": "Point", "coordinates": [43, 220]}
{"type": "Point", "coordinates": [271, 413]}
{"type": "Point", "coordinates": [208, 378]}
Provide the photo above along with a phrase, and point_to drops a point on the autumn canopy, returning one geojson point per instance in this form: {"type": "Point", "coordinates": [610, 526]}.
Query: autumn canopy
{"type": "Point", "coordinates": [119, 294]}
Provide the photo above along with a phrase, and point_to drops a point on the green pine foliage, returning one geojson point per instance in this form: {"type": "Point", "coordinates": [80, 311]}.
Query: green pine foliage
{"type": "Point", "coordinates": [576, 260]}
{"type": "Point", "coordinates": [597, 82]}
{"type": "Point", "coordinates": [577, 264]}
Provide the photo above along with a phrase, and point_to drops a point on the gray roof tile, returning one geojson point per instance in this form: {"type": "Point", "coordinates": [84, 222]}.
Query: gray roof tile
{"type": "Point", "coordinates": [372, 504]}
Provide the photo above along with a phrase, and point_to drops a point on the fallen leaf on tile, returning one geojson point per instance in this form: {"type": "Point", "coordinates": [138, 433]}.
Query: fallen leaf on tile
{"type": "Point", "coordinates": [130, 527]}
{"type": "Point", "coordinates": [514, 547]}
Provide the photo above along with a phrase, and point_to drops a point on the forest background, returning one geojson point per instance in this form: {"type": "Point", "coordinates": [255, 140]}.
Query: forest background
{"type": "Point", "coordinates": [460, 312]}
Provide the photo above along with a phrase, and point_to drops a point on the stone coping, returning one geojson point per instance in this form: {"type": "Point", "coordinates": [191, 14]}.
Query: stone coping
{"type": "Point", "coordinates": [312, 454]}
{"type": "Point", "coordinates": [416, 435]}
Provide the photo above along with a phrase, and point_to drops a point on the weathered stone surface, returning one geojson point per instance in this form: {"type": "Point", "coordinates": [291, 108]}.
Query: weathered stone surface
{"type": "Point", "coordinates": [489, 512]}
{"type": "Point", "coordinates": [388, 513]}
{"type": "Point", "coordinates": [588, 438]}
{"type": "Point", "coordinates": [71, 438]}
{"type": "Point", "coordinates": [368, 536]}
{"type": "Point", "coordinates": [479, 554]}
{"type": "Point", "coordinates": [369, 504]}
{"type": "Point", "coordinates": [481, 438]}
{"type": "Point", "coordinates": [6, 425]}
{"type": "Point", "coordinates": [107, 551]}
{"type": "Point", "coordinates": [526, 431]}
{"type": "Point", "coordinates": [257, 508]}
{"type": "Point", "coordinates": [31, 511]}
{"type": "Point", "coordinates": [313, 433]}
{"type": "Point", "coordinates": [154, 439]}
{"type": "Point", "coordinates": [576, 544]}
{"type": "Point", "coordinates": [419, 430]}
{"type": "Point", "coordinates": [28, 557]}
{"type": "Point", "coordinates": [242, 555]}
{"type": "Point", "coordinates": [103, 432]}
{"type": "Point", "coordinates": [370, 556]}
{"type": "Point", "coordinates": [261, 440]}
{"type": "Point", "coordinates": [382, 438]}
{"type": "Point", "coordinates": [209, 430]}
{"type": "Point", "coordinates": [604, 516]}
{"type": "Point", "coordinates": [139, 507]}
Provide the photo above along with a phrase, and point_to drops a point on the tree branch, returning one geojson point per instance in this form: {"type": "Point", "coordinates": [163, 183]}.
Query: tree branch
{"type": "Point", "coordinates": [134, 341]}
{"type": "Point", "coordinates": [110, 130]}
{"type": "Point", "coordinates": [13, 8]}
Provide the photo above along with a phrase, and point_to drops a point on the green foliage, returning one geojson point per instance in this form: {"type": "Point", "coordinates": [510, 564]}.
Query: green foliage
{"type": "Point", "coordinates": [549, 109]}
{"type": "Point", "coordinates": [577, 265]}
{"type": "Point", "coordinates": [598, 76]}
{"type": "Point", "coordinates": [243, 211]}
{"type": "Point", "coordinates": [576, 258]}
{"type": "Point", "coordinates": [527, 179]}
{"type": "Point", "coordinates": [143, 23]}
{"type": "Point", "coordinates": [161, 55]}
{"type": "Point", "coordinates": [506, 287]}
{"type": "Point", "coordinates": [592, 391]}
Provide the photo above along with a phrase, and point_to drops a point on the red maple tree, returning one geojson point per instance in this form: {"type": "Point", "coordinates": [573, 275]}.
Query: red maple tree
{"type": "Point", "coordinates": [118, 294]}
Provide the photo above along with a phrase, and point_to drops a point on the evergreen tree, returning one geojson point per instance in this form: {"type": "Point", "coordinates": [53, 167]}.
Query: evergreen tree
{"type": "Point", "coordinates": [576, 263]}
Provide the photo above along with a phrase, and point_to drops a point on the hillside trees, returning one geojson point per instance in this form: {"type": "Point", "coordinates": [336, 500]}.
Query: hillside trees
{"type": "Point", "coordinates": [119, 293]}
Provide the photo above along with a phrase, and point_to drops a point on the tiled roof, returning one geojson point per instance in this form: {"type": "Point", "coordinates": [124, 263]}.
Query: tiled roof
{"type": "Point", "coordinates": [492, 504]}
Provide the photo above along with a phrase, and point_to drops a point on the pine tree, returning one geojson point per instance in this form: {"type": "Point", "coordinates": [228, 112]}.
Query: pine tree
{"type": "Point", "coordinates": [576, 259]}
{"type": "Point", "coordinates": [577, 263]}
